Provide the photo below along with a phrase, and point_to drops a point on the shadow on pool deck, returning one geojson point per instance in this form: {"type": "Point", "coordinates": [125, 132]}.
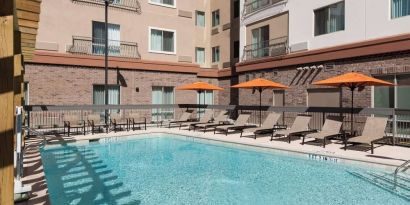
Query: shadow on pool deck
{"type": "Point", "coordinates": [98, 183]}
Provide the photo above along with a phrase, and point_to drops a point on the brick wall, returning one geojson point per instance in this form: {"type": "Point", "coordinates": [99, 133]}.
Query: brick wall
{"type": "Point", "coordinates": [67, 85]}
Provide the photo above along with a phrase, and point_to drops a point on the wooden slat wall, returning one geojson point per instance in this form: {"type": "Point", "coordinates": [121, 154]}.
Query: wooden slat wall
{"type": "Point", "coordinates": [18, 25]}
{"type": "Point", "coordinates": [28, 13]}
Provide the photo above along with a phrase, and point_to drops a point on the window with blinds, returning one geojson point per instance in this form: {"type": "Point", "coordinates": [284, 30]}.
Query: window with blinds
{"type": "Point", "coordinates": [200, 55]}
{"type": "Point", "coordinates": [98, 40]}
{"type": "Point", "coordinates": [200, 18]}
{"type": "Point", "coordinates": [330, 19]}
{"type": "Point", "coordinates": [400, 8]}
{"type": "Point", "coordinates": [162, 41]}
{"type": "Point", "coordinates": [162, 95]}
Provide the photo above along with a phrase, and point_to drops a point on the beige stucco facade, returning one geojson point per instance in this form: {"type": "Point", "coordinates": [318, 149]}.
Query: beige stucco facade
{"type": "Point", "coordinates": [62, 19]}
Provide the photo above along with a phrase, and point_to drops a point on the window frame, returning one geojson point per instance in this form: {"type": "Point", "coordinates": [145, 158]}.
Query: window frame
{"type": "Point", "coordinates": [164, 5]}
{"type": "Point", "coordinates": [196, 19]}
{"type": "Point", "coordinates": [391, 12]}
{"type": "Point", "coordinates": [108, 86]}
{"type": "Point", "coordinates": [162, 52]}
{"type": "Point", "coordinates": [328, 6]}
{"type": "Point", "coordinates": [214, 56]}
{"type": "Point", "coordinates": [219, 18]}
{"type": "Point", "coordinates": [196, 55]}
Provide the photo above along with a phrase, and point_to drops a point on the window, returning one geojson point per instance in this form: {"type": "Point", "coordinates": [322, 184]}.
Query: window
{"type": "Point", "coordinates": [162, 95]}
{"type": "Point", "coordinates": [162, 41]}
{"type": "Point", "coordinates": [200, 18]}
{"type": "Point", "coordinates": [384, 97]}
{"type": "Point", "coordinates": [26, 88]}
{"type": "Point", "coordinates": [260, 42]}
{"type": "Point", "coordinates": [215, 54]}
{"type": "Point", "coordinates": [400, 8]}
{"type": "Point", "coordinates": [205, 97]}
{"type": "Point", "coordinates": [169, 3]}
{"type": "Point", "coordinates": [200, 55]}
{"type": "Point", "coordinates": [113, 95]}
{"type": "Point", "coordinates": [330, 19]}
{"type": "Point", "coordinates": [215, 18]}
{"type": "Point", "coordinates": [98, 40]}
{"type": "Point", "coordinates": [236, 8]}
{"type": "Point", "coordinates": [236, 49]}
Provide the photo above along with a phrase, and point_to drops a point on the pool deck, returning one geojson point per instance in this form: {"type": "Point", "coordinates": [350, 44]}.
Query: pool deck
{"type": "Point", "coordinates": [385, 156]}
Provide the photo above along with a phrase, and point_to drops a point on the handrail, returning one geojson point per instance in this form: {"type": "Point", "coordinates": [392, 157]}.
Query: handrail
{"type": "Point", "coordinates": [405, 164]}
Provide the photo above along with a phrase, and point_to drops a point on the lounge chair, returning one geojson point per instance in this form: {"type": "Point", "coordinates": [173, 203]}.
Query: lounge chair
{"type": "Point", "coordinates": [239, 124]}
{"type": "Point", "coordinates": [268, 126]}
{"type": "Point", "coordinates": [94, 121]}
{"type": "Point", "coordinates": [206, 118]}
{"type": "Point", "coordinates": [136, 119]}
{"type": "Point", "coordinates": [71, 121]}
{"type": "Point", "coordinates": [185, 117]}
{"type": "Point", "coordinates": [299, 127]}
{"type": "Point", "coordinates": [373, 131]}
{"type": "Point", "coordinates": [118, 121]}
{"type": "Point", "coordinates": [218, 120]}
{"type": "Point", "coordinates": [331, 128]}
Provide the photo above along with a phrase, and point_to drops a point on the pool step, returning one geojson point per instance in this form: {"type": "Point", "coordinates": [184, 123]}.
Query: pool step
{"type": "Point", "coordinates": [386, 181]}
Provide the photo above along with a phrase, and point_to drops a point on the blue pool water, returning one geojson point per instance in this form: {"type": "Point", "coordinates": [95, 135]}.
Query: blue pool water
{"type": "Point", "coordinates": [164, 169]}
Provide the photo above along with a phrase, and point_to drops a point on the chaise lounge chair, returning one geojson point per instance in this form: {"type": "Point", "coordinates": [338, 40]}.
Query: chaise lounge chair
{"type": "Point", "coordinates": [331, 128]}
{"type": "Point", "coordinates": [218, 120]}
{"type": "Point", "coordinates": [185, 117]}
{"type": "Point", "coordinates": [94, 121]}
{"type": "Point", "coordinates": [136, 119]}
{"type": "Point", "coordinates": [373, 131]}
{"type": "Point", "coordinates": [71, 121]}
{"type": "Point", "coordinates": [205, 119]}
{"type": "Point", "coordinates": [118, 121]}
{"type": "Point", "coordinates": [268, 126]}
{"type": "Point", "coordinates": [299, 127]}
{"type": "Point", "coordinates": [239, 124]}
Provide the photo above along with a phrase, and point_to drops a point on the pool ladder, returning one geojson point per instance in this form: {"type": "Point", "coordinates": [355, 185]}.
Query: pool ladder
{"type": "Point", "coordinates": [406, 164]}
{"type": "Point", "coordinates": [34, 131]}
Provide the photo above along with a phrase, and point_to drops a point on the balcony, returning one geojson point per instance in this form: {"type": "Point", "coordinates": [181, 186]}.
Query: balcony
{"type": "Point", "coordinates": [95, 46]}
{"type": "Point", "coordinates": [252, 6]}
{"type": "Point", "coordinates": [270, 48]}
{"type": "Point", "coordinates": [130, 5]}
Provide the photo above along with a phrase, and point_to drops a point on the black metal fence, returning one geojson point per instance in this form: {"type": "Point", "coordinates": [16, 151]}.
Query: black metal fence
{"type": "Point", "coordinates": [131, 5]}
{"type": "Point", "coordinates": [96, 46]}
{"type": "Point", "coordinates": [255, 5]}
{"type": "Point", "coordinates": [270, 48]}
{"type": "Point", "coordinates": [49, 116]}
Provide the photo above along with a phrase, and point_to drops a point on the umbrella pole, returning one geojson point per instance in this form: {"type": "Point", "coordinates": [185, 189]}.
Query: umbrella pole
{"type": "Point", "coordinates": [351, 111]}
{"type": "Point", "coordinates": [260, 107]}
{"type": "Point", "coordinates": [199, 103]}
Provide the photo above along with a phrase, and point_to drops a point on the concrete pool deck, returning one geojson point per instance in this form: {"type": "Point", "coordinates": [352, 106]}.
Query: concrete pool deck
{"type": "Point", "coordinates": [385, 156]}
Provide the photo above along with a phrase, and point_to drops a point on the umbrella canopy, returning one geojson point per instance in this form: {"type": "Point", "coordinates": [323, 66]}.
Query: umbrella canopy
{"type": "Point", "coordinates": [199, 87]}
{"type": "Point", "coordinates": [352, 80]}
{"type": "Point", "coordinates": [260, 84]}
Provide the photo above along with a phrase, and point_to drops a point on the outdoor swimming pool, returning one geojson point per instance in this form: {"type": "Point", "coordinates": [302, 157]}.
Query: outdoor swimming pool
{"type": "Point", "coordinates": [169, 169]}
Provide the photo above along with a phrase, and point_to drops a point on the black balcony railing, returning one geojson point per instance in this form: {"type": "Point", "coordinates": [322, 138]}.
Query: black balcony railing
{"type": "Point", "coordinates": [255, 5]}
{"type": "Point", "coordinates": [96, 46]}
{"type": "Point", "coordinates": [131, 5]}
{"type": "Point", "coordinates": [270, 48]}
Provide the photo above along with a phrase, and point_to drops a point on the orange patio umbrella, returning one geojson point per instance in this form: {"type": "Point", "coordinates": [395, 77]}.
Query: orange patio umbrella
{"type": "Point", "coordinates": [260, 84]}
{"type": "Point", "coordinates": [199, 87]}
{"type": "Point", "coordinates": [352, 80]}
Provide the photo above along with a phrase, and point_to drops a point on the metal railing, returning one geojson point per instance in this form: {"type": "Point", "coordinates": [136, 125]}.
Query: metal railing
{"type": "Point", "coordinates": [52, 117]}
{"type": "Point", "coordinates": [131, 5]}
{"type": "Point", "coordinates": [270, 48]}
{"type": "Point", "coordinates": [255, 5]}
{"type": "Point", "coordinates": [405, 165]}
{"type": "Point", "coordinates": [96, 46]}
